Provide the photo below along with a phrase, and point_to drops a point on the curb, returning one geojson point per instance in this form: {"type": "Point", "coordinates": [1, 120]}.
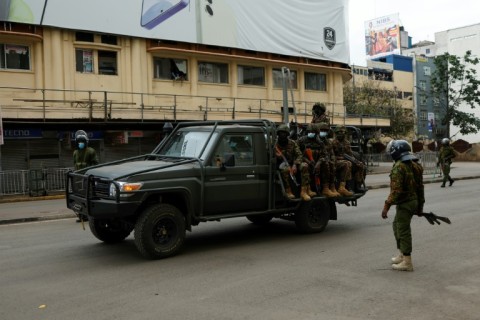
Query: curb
{"type": "Point", "coordinates": [33, 219]}
{"type": "Point", "coordinates": [11, 199]}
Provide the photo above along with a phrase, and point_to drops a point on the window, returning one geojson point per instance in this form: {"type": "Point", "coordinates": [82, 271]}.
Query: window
{"type": "Point", "coordinates": [84, 36]}
{"type": "Point", "coordinates": [315, 81]}
{"type": "Point", "coordinates": [423, 115]}
{"type": "Point", "coordinates": [427, 51]}
{"type": "Point", "coordinates": [278, 78]}
{"type": "Point", "coordinates": [107, 62]}
{"type": "Point", "coordinates": [436, 101]}
{"type": "Point", "coordinates": [169, 69]}
{"type": "Point", "coordinates": [426, 71]}
{"type": "Point", "coordinates": [240, 145]}
{"type": "Point", "coordinates": [84, 60]}
{"type": "Point", "coordinates": [422, 84]}
{"type": "Point", "coordinates": [254, 76]}
{"type": "Point", "coordinates": [423, 99]}
{"type": "Point", "coordinates": [213, 72]}
{"type": "Point", "coordinates": [14, 56]}
{"type": "Point", "coordinates": [109, 39]}
{"type": "Point", "coordinates": [407, 95]}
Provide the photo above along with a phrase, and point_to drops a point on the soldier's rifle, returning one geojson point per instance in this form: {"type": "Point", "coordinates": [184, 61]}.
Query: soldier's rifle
{"type": "Point", "coordinates": [432, 218]}
{"type": "Point", "coordinates": [309, 154]}
{"type": "Point", "coordinates": [285, 164]}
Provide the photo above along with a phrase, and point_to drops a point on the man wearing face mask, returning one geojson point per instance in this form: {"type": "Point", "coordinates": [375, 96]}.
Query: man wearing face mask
{"type": "Point", "coordinates": [83, 156]}
{"type": "Point", "coordinates": [290, 160]}
{"type": "Point", "coordinates": [316, 155]}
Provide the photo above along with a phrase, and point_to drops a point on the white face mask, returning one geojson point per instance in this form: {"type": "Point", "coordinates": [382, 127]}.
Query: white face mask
{"type": "Point", "coordinates": [311, 135]}
{"type": "Point", "coordinates": [323, 134]}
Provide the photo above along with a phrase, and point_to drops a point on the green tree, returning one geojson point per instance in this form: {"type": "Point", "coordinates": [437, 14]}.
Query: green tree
{"type": "Point", "coordinates": [455, 84]}
{"type": "Point", "coordinates": [369, 99]}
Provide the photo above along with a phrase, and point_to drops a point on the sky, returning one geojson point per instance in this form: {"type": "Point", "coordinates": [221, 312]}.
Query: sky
{"type": "Point", "coordinates": [420, 18]}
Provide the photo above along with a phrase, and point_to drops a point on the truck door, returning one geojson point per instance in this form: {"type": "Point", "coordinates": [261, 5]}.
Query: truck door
{"type": "Point", "coordinates": [236, 178]}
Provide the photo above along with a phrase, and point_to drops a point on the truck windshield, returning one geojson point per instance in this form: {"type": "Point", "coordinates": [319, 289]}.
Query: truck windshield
{"type": "Point", "coordinates": [188, 144]}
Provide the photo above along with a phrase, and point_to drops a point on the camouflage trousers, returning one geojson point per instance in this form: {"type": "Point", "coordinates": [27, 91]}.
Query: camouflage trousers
{"type": "Point", "coordinates": [304, 173]}
{"type": "Point", "coordinates": [359, 172]}
{"type": "Point", "coordinates": [344, 168]}
{"type": "Point", "coordinates": [446, 172]}
{"type": "Point", "coordinates": [401, 225]}
{"type": "Point", "coordinates": [326, 170]}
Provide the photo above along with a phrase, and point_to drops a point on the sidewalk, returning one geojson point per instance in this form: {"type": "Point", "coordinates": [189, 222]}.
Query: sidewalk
{"type": "Point", "coordinates": [27, 211]}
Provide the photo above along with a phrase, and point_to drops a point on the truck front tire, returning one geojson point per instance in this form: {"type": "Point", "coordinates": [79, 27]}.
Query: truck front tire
{"type": "Point", "coordinates": [108, 231]}
{"type": "Point", "coordinates": [160, 231]}
{"type": "Point", "coordinates": [313, 216]}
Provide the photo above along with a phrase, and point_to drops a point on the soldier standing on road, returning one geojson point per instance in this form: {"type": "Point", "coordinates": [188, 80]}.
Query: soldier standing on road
{"type": "Point", "coordinates": [407, 193]}
{"type": "Point", "coordinates": [445, 157]}
{"type": "Point", "coordinates": [84, 156]}
{"type": "Point", "coordinates": [290, 159]}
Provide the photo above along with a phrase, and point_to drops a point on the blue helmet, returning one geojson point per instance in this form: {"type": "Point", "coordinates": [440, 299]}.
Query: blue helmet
{"type": "Point", "coordinates": [400, 150]}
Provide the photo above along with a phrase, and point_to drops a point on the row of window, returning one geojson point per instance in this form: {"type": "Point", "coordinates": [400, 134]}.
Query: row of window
{"type": "Point", "coordinates": [105, 62]}
{"type": "Point", "coordinates": [212, 72]}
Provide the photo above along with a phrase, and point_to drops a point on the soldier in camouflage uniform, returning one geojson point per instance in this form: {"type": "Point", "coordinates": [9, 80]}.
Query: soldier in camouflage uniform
{"type": "Point", "coordinates": [315, 154]}
{"type": "Point", "coordinates": [327, 164]}
{"type": "Point", "coordinates": [445, 157]}
{"type": "Point", "coordinates": [290, 160]}
{"type": "Point", "coordinates": [340, 146]}
{"type": "Point", "coordinates": [407, 193]}
{"type": "Point", "coordinates": [319, 115]}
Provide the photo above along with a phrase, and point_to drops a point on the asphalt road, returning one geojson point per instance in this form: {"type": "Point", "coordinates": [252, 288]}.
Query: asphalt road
{"type": "Point", "coordinates": [235, 270]}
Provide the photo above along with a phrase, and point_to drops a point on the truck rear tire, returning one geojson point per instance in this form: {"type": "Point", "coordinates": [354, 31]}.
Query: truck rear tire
{"type": "Point", "coordinates": [108, 231]}
{"type": "Point", "coordinates": [313, 216]}
{"type": "Point", "coordinates": [160, 231]}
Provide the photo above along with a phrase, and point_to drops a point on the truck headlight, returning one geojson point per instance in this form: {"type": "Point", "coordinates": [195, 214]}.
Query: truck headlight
{"type": "Point", "coordinates": [124, 187]}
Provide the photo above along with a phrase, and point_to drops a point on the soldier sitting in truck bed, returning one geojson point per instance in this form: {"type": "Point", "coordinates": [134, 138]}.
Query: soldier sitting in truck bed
{"type": "Point", "coordinates": [290, 160]}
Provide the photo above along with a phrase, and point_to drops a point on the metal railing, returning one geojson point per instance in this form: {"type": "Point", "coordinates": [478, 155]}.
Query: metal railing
{"type": "Point", "coordinates": [19, 182]}
{"type": "Point", "coordinates": [94, 105]}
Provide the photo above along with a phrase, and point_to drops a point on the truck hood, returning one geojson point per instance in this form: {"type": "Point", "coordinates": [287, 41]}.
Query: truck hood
{"type": "Point", "coordinates": [143, 170]}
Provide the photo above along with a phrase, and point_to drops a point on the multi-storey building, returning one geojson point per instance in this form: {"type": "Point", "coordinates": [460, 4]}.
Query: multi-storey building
{"type": "Point", "coordinates": [66, 67]}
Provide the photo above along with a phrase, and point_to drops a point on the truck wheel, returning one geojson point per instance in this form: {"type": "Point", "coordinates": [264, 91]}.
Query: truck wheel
{"type": "Point", "coordinates": [260, 220]}
{"type": "Point", "coordinates": [160, 231]}
{"type": "Point", "coordinates": [312, 216]}
{"type": "Point", "coordinates": [108, 231]}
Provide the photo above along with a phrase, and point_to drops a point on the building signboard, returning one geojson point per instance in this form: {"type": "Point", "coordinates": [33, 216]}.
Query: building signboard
{"type": "Point", "coordinates": [382, 36]}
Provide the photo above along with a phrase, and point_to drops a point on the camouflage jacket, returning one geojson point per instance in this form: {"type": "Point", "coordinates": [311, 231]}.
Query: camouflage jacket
{"type": "Point", "coordinates": [291, 151]}
{"type": "Point", "coordinates": [321, 119]}
{"type": "Point", "coordinates": [84, 158]}
{"type": "Point", "coordinates": [330, 153]}
{"type": "Point", "coordinates": [446, 154]}
{"type": "Point", "coordinates": [316, 146]}
{"type": "Point", "coordinates": [341, 147]}
{"type": "Point", "coordinates": [406, 183]}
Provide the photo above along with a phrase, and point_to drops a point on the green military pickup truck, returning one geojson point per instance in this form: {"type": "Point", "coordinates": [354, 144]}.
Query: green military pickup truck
{"type": "Point", "coordinates": [203, 171]}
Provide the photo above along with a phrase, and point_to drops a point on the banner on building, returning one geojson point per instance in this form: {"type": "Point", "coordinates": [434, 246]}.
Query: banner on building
{"type": "Point", "coordinates": [382, 36]}
{"type": "Point", "coordinates": [315, 29]}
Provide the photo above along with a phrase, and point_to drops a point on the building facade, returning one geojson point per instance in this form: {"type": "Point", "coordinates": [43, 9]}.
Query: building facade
{"type": "Point", "coordinates": [123, 88]}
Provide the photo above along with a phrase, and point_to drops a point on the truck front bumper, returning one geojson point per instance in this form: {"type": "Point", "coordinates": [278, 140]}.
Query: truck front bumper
{"type": "Point", "coordinates": [99, 208]}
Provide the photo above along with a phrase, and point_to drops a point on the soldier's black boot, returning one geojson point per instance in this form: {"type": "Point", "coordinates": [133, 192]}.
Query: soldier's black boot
{"type": "Point", "coordinates": [451, 182]}
{"type": "Point", "coordinates": [443, 185]}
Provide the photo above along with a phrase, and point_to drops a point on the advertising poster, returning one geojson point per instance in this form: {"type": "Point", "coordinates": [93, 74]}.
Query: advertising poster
{"type": "Point", "coordinates": [382, 36]}
{"type": "Point", "coordinates": [315, 29]}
